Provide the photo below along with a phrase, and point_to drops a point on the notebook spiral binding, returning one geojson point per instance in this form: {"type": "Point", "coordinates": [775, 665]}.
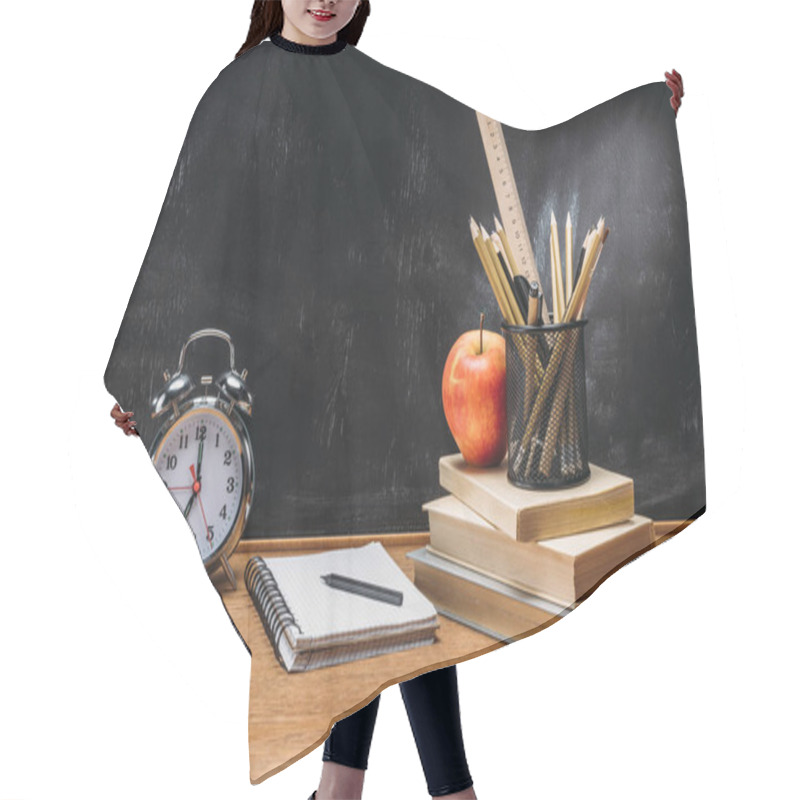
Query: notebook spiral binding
{"type": "Point", "coordinates": [270, 604]}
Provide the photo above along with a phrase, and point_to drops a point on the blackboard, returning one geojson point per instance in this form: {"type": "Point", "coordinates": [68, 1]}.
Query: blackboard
{"type": "Point", "coordinates": [326, 230]}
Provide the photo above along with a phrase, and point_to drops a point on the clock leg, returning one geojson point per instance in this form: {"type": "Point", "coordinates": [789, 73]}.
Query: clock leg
{"type": "Point", "coordinates": [229, 572]}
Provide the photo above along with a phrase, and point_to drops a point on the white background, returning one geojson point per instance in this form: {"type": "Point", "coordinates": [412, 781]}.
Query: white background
{"type": "Point", "coordinates": [676, 679]}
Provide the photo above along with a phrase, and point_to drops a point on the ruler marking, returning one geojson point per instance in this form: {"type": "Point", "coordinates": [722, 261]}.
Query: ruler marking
{"type": "Point", "coordinates": [508, 202]}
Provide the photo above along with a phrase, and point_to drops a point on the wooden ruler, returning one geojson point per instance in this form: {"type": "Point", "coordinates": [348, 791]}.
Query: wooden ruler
{"type": "Point", "coordinates": [505, 189]}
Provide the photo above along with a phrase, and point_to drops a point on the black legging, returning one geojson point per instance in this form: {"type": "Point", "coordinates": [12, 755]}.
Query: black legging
{"type": "Point", "coordinates": [431, 701]}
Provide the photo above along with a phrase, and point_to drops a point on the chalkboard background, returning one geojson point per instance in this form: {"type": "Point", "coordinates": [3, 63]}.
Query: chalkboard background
{"type": "Point", "coordinates": [319, 213]}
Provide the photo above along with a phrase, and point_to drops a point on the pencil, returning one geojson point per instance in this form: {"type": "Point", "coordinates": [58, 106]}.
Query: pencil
{"type": "Point", "coordinates": [477, 240]}
{"type": "Point", "coordinates": [506, 246]}
{"type": "Point", "coordinates": [581, 257]}
{"type": "Point", "coordinates": [554, 281]}
{"type": "Point", "coordinates": [568, 265]}
{"type": "Point", "coordinates": [583, 280]}
{"type": "Point", "coordinates": [556, 249]}
{"type": "Point", "coordinates": [601, 228]}
{"type": "Point", "coordinates": [590, 262]}
{"type": "Point", "coordinates": [591, 274]}
{"type": "Point", "coordinates": [505, 287]}
{"type": "Point", "coordinates": [504, 262]}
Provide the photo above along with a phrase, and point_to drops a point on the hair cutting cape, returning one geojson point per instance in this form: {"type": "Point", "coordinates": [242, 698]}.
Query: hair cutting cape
{"type": "Point", "coordinates": [284, 354]}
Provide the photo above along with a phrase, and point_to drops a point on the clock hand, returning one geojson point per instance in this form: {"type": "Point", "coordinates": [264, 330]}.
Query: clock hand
{"type": "Point", "coordinates": [195, 491]}
{"type": "Point", "coordinates": [195, 480]}
{"type": "Point", "coordinates": [199, 458]}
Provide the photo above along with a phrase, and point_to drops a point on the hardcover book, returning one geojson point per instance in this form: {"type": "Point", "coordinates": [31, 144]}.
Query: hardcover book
{"type": "Point", "coordinates": [529, 514]}
{"type": "Point", "coordinates": [562, 569]}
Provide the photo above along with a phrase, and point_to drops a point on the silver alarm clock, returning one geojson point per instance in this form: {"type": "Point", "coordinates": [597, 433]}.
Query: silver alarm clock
{"type": "Point", "coordinates": [204, 455]}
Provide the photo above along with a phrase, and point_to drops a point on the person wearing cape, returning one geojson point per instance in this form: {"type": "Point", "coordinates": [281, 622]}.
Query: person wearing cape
{"type": "Point", "coordinates": [316, 215]}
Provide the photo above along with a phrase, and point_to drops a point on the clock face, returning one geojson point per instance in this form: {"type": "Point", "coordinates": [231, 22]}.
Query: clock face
{"type": "Point", "coordinates": [200, 461]}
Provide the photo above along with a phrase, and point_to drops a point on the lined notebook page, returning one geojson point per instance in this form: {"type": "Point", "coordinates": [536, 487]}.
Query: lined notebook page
{"type": "Point", "coordinates": [326, 615]}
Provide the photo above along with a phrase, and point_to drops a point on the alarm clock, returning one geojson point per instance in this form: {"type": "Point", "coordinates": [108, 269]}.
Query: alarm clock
{"type": "Point", "coordinates": [204, 455]}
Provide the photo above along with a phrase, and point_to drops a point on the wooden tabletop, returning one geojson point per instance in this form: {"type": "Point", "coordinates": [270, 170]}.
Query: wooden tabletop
{"type": "Point", "coordinates": [291, 714]}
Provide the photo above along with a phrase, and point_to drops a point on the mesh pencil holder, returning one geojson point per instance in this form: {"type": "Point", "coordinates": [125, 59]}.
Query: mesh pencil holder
{"type": "Point", "coordinates": [546, 405]}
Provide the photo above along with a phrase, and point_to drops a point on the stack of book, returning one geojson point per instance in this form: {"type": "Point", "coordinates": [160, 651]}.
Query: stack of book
{"type": "Point", "coordinates": [506, 560]}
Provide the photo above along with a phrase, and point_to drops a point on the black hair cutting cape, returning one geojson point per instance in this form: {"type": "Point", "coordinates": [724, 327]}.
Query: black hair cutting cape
{"type": "Point", "coordinates": [316, 234]}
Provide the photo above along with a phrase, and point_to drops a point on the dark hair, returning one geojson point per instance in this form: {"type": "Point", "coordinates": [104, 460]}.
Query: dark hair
{"type": "Point", "coordinates": [266, 18]}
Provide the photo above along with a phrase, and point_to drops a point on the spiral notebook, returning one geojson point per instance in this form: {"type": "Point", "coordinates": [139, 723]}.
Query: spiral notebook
{"type": "Point", "coordinates": [312, 625]}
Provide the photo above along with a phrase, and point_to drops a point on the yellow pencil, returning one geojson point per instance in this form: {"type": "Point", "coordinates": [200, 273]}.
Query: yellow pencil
{"type": "Point", "coordinates": [589, 264]}
{"type": "Point", "coordinates": [516, 314]}
{"type": "Point", "coordinates": [556, 249]}
{"type": "Point", "coordinates": [579, 313]}
{"type": "Point", "coordinates": [554, 282]}
{"type": "Point", "coordinates": [568, 243]}
{"type": "Point", "coordinates": [583, 281]}
{"type": "Point", "coordinates": [488, 268]}
{"type": "Point", "coordinates": [506, 246]}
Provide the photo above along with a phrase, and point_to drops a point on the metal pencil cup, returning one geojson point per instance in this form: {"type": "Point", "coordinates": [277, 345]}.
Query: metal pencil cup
{"type": "Point", "coordinates": [546, 405]}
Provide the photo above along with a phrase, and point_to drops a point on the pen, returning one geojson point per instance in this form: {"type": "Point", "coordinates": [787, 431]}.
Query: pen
{"type": "Point", "coordinates": [371, 590]}
{"type": "Point", "coordinates": [534, 311]}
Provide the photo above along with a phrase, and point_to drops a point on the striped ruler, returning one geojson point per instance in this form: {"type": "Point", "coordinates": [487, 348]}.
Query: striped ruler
{"type": "Point", "coordinates": [505, 189]}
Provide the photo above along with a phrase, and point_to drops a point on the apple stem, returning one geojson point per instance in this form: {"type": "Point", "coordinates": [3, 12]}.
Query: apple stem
{"type": "Point", "coordinates": [482, 317]}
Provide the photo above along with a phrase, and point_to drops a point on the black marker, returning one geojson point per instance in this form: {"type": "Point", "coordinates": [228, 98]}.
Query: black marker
{"type": "Point", "coordinates": [522, 293]}
{"type": "Point", "coordinates": [371, 590]}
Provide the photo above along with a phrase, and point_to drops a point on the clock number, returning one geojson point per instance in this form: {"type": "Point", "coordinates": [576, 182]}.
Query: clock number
{"type": "Point", "coordinates": [216, 444]}
{"type": "Point", "coordinates": [183, 441]}
{"type": "Point", "coordinates": [228, 457]}
{"type": "Point", "coordinates": [200, 433]}
{"type": "Point", "coordinates": [223, 512]}
{"type": "Point", "coordinates": [210, 534]}
{"type": "Point", "coordinates": [172, 461]}
{"type": "Point", "coordinates": [230, 485]}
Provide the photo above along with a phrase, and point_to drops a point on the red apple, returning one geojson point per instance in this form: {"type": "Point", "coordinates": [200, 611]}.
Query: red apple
{"type": "Point", "coordinates": [474, 396]}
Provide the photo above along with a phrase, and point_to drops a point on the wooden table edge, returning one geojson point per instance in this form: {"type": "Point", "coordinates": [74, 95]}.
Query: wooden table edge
{"type": "Point", "coordinates": [662, 531]}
